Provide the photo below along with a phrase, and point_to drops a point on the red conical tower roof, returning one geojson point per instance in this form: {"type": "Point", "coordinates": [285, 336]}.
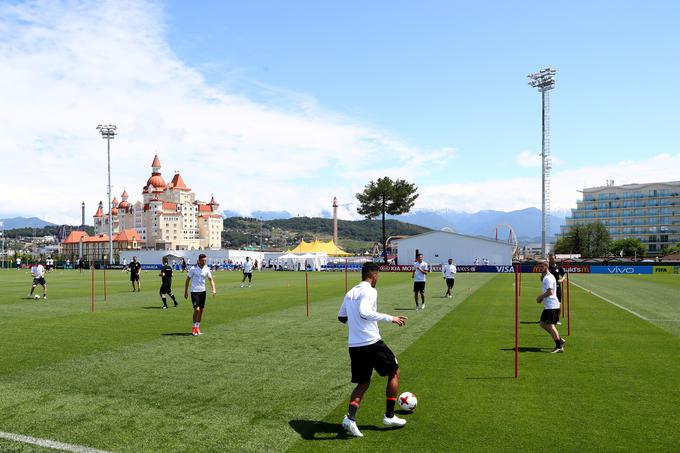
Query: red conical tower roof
{"type": "Point", "coordinates": [156, 162]}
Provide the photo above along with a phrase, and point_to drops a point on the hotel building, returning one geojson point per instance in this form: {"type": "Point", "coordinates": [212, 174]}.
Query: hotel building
{"type": "Point", "coordinates": [648, 212]}
{"type": "Point", "coordinates": [169, 217]}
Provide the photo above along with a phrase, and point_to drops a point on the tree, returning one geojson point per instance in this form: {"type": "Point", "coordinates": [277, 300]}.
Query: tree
{"type": "Point", "coordinates": [385, 196]}
{"type": "Point", "coordinates": [589, 240]}
{"type": "Point", "coordinates": [630, 247]}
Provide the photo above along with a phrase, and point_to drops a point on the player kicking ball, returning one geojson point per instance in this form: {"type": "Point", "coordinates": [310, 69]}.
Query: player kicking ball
{"type": "Point", "coordinates": [367, 351]}
{"type": "Point", "coordinates": [38, 273]}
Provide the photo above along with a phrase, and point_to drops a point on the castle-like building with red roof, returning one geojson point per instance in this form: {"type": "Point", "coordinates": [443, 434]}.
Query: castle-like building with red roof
{"type": "Point", "coordinates": [169, 217]}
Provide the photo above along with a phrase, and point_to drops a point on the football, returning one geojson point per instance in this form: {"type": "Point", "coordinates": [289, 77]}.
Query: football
{"type": "Point", "coordinates": [408, 401]}
{"type": "Point", "coordinates": [36, 297]}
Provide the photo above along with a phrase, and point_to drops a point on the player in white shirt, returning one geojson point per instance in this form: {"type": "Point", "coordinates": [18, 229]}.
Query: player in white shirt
{"type": "Point", "coordinates": [197, 276]}
{"type": "Point", "coordinates": [551, 307]}
{"type": "Point", "coordinates": [449, 273]}
{"type": "Point", "coordinates": [367, 351]}
{"type": "Point", "coordinates": [420, 271]}
{"type": "Point", "coordinates": [38, 273]}
{"type": "Point", "coordinates": [247, 272]}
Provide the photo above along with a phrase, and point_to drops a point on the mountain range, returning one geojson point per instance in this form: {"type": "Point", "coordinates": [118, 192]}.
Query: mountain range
{"type": "Point", "coordinates": [526, 223]}
{"type": "Point", "coordinates": [24, 222]}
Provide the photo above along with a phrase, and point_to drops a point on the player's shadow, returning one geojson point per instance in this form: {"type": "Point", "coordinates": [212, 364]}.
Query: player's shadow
{"type": "Point", "coordinates": [524, 349]}
{"type": "Point", "coordinates": [154, 307]}
{"type": "Point", "coordinates": [177, 334]}
{"type": "Point", "coordinates": [528, 322]}
{"type": "Point", "coordinates": [320, 430]}
{"type": "Point", "coordinates": [404, 309]}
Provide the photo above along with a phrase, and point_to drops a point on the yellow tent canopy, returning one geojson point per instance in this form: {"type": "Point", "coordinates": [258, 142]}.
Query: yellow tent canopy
{"type": "Point", "coordinates": [317, 246]}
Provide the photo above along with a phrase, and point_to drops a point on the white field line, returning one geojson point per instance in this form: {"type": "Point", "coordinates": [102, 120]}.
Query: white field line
{"type": "Point", "coordinates": [611, 302]}
{"type": "Point", "coordinates": [48, 443]}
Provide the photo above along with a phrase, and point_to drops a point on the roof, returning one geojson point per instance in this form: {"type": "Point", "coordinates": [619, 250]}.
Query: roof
{"type": "Point", "coordinates": [204, 208]}
{"type": "Point", "coordinates": [168, 205]}
{"type": "Point", "coordinates": [99, 212]}
{"type": "Point", "coordinates": [156, 161]}
{"type": "Point", "coordinates": [74, 237]}
{"type": "Point", "coordinates": [451, 233]}
{"type": "Point", "coordinates": [127, 235]}
{"type": "Point", "coordinates": [124, 194]}
{"type": "Point", "coordinates": [178, 183]}
{"type": "Point", "coordinates": [317, 246]}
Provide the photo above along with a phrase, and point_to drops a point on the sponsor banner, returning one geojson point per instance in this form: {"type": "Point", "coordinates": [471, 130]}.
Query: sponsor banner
{"type": "Point", "coordinates": [508, 269]}
{"type": "Point", "coordinates": [152, 267]}
{"type": "Point", "coordinates": [621, 270]}
{"type": "Point", "coordinates": [662, 270]}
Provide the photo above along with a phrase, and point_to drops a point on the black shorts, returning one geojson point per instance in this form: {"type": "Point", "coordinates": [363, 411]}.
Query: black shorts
{"type": "Point", "coordinates": [198, 300]}
{"type": "Point", "coordinates": [39, 281]}
{"type": "Point", "coordinates": [248, 274]}
{"type": "Point", "coordinates": [134, 277]}
{"type": "Point", "coordinates": [418, 287]}
{"type": "Point", "coordinates": [450, 282]}
{"type": "Point", "coordinates": [550, 316]}
{"type": "Point", "coordinates": [367, 358]}
{"type": "Point", "coordinates": [166, 288]}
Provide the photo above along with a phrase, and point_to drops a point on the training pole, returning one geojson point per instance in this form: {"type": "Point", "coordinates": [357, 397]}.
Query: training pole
{"type": "Point", "coordinates": [568, 306]}
{"type": "Point", "coordinates": [105, 284]}
{"type": "Point", "coordinates": [92, 289]}
{"type": "Point", "coordinates": [516, 323]}
{"type": "Point", "coordinates": [307, 289]}
{"type": "Point", "coordinates": [346, 265]}
{"type": "Point", "coordinates": [520, 277]}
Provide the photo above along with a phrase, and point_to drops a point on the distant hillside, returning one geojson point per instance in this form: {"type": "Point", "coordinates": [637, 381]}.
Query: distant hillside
{"type": "Point", "coordinates": [25, 222]}
{"type": "Point", "coordinates": [282, 233]}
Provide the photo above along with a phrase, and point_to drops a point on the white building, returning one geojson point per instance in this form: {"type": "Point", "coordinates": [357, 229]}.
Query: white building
{"type": "Point", "coordinates": [439, 246]}
{"type": "Point", "coordinates": [169, 217]}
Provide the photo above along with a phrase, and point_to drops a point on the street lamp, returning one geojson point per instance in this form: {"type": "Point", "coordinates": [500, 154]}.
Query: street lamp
{"type": "Point", "coordinates": [544, 80]}
{"type": "Point", "coordinates": [108, 132]}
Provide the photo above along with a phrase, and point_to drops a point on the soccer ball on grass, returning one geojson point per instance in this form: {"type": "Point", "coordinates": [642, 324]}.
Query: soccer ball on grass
{"type": "Point", "coordinates": [36, 297]}
{"type": "Point", "coordinates": [408, 401]}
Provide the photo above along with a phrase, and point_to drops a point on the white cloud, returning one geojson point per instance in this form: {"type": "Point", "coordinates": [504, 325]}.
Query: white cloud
{"type": "Point", "coordinates": [69, 65]}
{"type": "Point", "coordinates": [528, 159]}
{"type": "Point", "coordinates": [520, 193]}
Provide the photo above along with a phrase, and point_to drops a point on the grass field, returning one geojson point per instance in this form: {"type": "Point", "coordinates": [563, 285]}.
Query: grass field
{"type": "Point", "coordinates": [129, 378]}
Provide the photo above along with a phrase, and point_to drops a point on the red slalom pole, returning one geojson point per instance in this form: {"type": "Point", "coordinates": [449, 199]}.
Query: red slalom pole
{"type": "Point", "coordinates": [307, 289]}
{"type": "Point", "coordinates": [92, 289]}
{"type": "Point", "coordinates": [346, 265]}
{"type": "Point", "coordinates": [105, 284]}
{"type": "Point", "coordinates": [516, 323]}
{"type": "Point", "coordinates": [520, 277]}
{"type": "Point", "coordinates": [568, 306]}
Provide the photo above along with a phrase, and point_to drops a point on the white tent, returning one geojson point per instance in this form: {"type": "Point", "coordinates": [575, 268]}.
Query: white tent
{"type": "Point", "coordinates": [298, 261]}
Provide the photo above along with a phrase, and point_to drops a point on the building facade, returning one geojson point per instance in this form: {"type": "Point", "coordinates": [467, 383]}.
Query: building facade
{"type": "Point", "coordinates": [96, 248]}
{"type": "Point", "coordinates": [439, 246]}
{"type": "Point", "coordinates": [648, 212]}
{"type": "Point", "coordinates": [168, 217]}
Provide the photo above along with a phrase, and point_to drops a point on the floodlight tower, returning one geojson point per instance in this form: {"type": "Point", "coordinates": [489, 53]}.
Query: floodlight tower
{"type": "Point", "coordinates": [108, 132]}
{"type": "Point", "coordinates": [544, 80]}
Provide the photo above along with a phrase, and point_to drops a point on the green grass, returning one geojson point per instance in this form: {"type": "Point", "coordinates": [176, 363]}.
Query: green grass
{"type": "Point", "coordinates": [265, 378]}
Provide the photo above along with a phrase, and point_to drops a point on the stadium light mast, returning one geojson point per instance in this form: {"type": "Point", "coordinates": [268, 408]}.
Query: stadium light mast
{"type": "Point", "coordinates": [544, 80]}
{"type": "Point", "coordinates": [108, 132]}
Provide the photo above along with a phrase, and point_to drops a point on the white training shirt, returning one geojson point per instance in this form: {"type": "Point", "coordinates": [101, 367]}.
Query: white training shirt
{"type": "Point", "coordinates": [449, 270]}
{"type": "Point", "coordinates": [247, 267]}
{"type": "Point", "coordinates": [551, 302]}
{"type": "Point", "coordinates": [420, 276]}
{"type": "Point", "coordinates": [360, 308]}
{"type": "Point", "coordinates": [198, 276]}
{"type": "Point", "coordinates": [38, 271]}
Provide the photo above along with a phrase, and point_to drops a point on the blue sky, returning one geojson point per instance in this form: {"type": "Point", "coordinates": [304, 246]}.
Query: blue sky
{"type": "Point", "coordinates": [257, 102]}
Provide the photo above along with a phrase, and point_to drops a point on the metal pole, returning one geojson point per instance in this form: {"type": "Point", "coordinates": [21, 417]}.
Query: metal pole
{"type": "Point", "coordinates": [108, 160]}
{"type": "Point", "coordinates": [543, 250]}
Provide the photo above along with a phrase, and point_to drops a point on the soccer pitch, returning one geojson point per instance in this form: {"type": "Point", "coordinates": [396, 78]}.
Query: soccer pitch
{"type": "Point", "coordinates": [130, 377]}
